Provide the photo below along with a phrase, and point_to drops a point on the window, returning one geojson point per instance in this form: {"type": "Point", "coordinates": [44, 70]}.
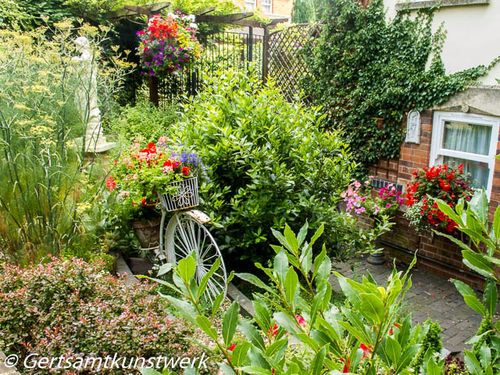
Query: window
{"type": "Point", "coordinates": [267, 6]}
{"type": "Point", "coordinates": [250, 4]}
{"type": "Point", "coordinates": [471, 140]}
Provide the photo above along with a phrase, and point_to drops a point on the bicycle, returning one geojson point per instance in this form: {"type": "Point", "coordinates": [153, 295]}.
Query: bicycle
{"type": "Point", "coordinates": [185, 233]}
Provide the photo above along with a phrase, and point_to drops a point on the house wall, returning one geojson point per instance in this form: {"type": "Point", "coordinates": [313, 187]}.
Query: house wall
{"type": "Point", "coordinates": [435, 253]}
{"type": "Point", "coordinates": [280, 7]}
{"type": "Point", "coordinates": [473, 32]}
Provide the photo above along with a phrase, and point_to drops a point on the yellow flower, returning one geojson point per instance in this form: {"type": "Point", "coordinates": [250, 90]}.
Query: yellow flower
{"type": "Point", "coordinates": [21, 107]}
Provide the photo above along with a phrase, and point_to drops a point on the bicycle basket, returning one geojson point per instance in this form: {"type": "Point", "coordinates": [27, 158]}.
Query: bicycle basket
{"type": "Point", "coordinates": [185, 197]}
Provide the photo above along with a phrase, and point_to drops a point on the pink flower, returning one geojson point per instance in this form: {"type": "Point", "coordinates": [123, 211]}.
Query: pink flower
{"type": "Point", "coordinates": [301, 321]}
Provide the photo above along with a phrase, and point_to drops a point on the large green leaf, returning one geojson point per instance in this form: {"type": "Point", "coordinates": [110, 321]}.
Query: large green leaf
{"type": "Point", "coordinates": [204, 280]}
{"type": "Point", "coordinates": [472, 363]}
{"type": "Point", "coordinates": [186, 268]}
{"type": "Point", "coordinates": [479, 204]}
{"type": "Point", "coordinates": [478, 263]}
{"type": "Point", "coordinates": [372, 307]}
{"type": "Point", "coordinates": [206, 326]}
{"type": "Point", "coordinates": [252, 279]}
{"type": "Point", "coordinates": [229, 323]}
{"type": "Point", "coordinates": [281, 265]}
{"type": "Point", "coordinates": [252, 334]}
{"type": "Point", "coordinates": [185, 309]}
{"type": "Point", "coordinates": [470, 297]}
{"type": "Point", "coordinates": [491, 296]}
{"type": "Point", "coordinates": [291, 286]}
{"type": "Point", "coordinates": [317, 364]}
{"type": "Point", "coordinates": [496, 224]}
{"type": "Point", "coordinates": [239, 357]}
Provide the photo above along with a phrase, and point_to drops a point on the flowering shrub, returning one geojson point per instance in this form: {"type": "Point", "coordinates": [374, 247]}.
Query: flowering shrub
{"type": "Point", "coordinates": [141, 173]}
{"type": "Point", "coordinates": [374, 209]}
{"type": "Point", "coordinates": [168, 44]}
{"type": "Point", "coordinates": [438, 182]}
{"type": "Point", "coordinates": [70, 307]}
{"type": "Point", "coordinates": [360, 198]}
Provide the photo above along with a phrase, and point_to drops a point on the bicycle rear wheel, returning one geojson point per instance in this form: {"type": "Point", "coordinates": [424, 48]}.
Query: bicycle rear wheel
{"type": "Point", "coordinates": [185, 234]}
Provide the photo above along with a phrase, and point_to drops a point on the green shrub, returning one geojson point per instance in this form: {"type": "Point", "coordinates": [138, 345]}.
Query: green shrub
{"type": "Point", "coordinates": [266, 161]}
{"type": "Point", "coordinates": [144, 122]}
{"type": "Point", "coordinates": [69, 307]}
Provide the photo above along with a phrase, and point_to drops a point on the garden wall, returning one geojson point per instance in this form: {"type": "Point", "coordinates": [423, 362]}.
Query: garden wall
{"type": "Point", "coordinates": [435, 253]}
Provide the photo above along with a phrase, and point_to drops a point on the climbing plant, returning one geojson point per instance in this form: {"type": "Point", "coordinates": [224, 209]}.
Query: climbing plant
{"type": "Point", "coordinates": [370, 71]}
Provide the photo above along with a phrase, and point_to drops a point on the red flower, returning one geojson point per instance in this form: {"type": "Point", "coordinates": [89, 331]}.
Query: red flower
{"type": "Point", "coordinates": [391, 331]}
{"type": "Point", "coordinates": [176, 164]}
{"type": "Point", "coordinates": [273, 330]}
{"type": "Point", "coordinates": [347, 365]}
{"type": "Point", "coordinates": [231, 348]}
{"type": "Point", "coordinates": [143, 201]}
{"type": "Point", "coordinates": [185, 171]}
{"type": "Point", "coordinates": [366, 350]}
{"type": "Point", "coordinates": [110, 183]}
{"type": "Point", "coordinates": [151, 148]}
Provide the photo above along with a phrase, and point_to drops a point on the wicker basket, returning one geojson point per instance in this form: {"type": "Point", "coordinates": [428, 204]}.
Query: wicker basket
{"type": "Point", "coordinates": [186, 196]}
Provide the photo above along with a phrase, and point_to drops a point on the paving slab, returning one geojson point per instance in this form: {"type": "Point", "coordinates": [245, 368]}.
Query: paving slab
{"type": "Point", "coordinates": [430, 297]}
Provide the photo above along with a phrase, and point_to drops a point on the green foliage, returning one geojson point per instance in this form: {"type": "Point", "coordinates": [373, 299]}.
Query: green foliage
{"type": "Point", "coordinates": [308, 10]}
{"type": "Point", "coordinates": [267, 162]}
{"type": "Point", "coordinates": [78, 308]}
{"type": "Point", "coordinates": [368, 69]}
{"type": "Point", "coordinates": [431, 343]}
{"type": "Point", "coordinates": [301, 331]}
{"type": "Point", "coordinates": [481, 254]}
{"type": "Point", "coordinates": [143, 123]}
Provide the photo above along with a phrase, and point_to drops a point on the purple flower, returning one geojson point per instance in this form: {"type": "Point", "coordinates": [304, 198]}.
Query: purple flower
{"type": "Point", "coordinates": [359, 210]}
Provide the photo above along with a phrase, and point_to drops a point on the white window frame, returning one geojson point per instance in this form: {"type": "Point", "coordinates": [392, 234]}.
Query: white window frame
{"type": "Point", "coordinates": [268, 5]}
{"type": "Point", "coordinates": [437, 151]}
{"type": "Point", "coordinates": [250, 4]}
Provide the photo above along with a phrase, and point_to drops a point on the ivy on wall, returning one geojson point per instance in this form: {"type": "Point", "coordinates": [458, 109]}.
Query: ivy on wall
{"type": "Point", "coordinates": [370, 71]}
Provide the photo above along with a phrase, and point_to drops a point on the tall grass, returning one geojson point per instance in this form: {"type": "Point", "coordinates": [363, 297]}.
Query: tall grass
{"type": "Point", "coordinates": [46, 184]}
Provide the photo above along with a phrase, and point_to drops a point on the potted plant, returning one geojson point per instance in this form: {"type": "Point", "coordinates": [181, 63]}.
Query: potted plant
{"type": "Point", "coordinates": [375, 210]}
{"type": "Point", "coordinates": [168, 44]}
{"type": "Point", "coordinates": [145, 177]}
{"type": "Point", "coordinates": [437, 182]}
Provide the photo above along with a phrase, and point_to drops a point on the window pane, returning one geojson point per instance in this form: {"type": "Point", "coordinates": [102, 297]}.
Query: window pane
{"type": "Point", "coordinates": [460, 136]}
{"type": "Point", "coordinates": [478, 171]}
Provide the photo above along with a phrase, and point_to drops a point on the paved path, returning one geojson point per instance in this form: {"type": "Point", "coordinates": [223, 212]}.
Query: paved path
{"type": "Point", "coordinates": [430, 297]}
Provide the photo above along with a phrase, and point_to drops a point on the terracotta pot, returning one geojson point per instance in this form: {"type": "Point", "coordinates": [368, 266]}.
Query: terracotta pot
{"type": "Point", "coordinates": [147, 232]}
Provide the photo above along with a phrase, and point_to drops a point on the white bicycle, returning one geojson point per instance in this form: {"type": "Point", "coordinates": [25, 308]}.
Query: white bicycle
{"type": "Point", "coordinates": [185, 234]}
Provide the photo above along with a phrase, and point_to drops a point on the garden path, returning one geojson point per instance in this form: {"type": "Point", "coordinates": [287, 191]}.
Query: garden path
{"type": "Point", "coordinates": [431, 296]}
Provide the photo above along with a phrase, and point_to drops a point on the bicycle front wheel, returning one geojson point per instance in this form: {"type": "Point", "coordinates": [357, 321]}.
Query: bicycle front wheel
{"type": "Point", "coordinates": [185, 235]}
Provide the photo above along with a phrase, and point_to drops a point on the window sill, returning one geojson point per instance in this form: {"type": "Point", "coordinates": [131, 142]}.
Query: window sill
{"type": "Point", "coordinates": [412, 4]}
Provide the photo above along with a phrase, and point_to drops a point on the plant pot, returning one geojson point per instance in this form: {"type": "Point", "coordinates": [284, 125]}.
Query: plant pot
{"type": "Point", "coordinates": [186, 195]}
{"type": "Point", "coordinates": [147, 232]}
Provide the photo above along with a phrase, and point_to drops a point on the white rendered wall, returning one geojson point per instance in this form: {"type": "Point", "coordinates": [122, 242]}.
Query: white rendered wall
{"type": "Point", "coordinates": [473, 36]}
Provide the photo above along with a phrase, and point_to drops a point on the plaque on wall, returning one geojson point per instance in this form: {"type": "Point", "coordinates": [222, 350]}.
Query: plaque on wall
{"type": "Point", "coordinates": [413, 126]}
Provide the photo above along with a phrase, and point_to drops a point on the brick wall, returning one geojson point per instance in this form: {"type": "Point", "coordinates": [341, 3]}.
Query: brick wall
{"type": "Point", "coordinates": [435, 253]}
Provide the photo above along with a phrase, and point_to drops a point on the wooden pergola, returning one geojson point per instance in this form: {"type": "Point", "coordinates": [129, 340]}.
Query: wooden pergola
{"type": "Point", "coordinates": [242, 19]}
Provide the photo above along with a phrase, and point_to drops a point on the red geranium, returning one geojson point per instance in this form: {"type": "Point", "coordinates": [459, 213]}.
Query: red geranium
{"type": "Point", "coordinates": [437, 182]}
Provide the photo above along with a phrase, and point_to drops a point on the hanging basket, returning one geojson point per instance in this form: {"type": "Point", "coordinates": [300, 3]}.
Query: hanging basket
{"type": "Point", "coordinates": [185, 197]}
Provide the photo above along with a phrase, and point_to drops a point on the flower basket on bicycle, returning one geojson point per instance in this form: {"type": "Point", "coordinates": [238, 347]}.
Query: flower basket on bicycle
{"type": "Point", "coordinates": [185, 195]}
